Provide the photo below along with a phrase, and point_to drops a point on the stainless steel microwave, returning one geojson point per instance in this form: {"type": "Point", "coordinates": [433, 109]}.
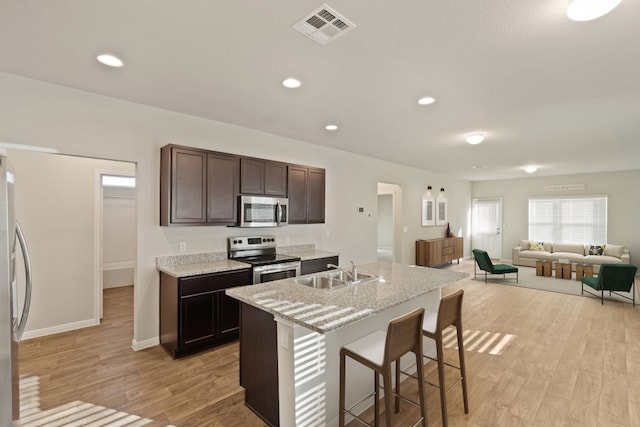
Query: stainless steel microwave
{"type": "Point", "coordinates": [259, 211]}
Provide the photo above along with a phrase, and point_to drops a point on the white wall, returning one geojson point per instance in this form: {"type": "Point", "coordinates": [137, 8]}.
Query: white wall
{"type": "Point", "coordinates": [81, 123]}
{"type": "Point", "coordinates": [620, 187]}
{"type": "Point", "coordinates": [55, 201]}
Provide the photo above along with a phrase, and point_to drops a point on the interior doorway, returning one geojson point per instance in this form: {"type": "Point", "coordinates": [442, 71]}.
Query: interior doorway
{"type": "Point", "coordinates": [486, 226]}
{"type": "Point", "coordinates": [389, 213]}
{"type": "Point", "coordinates": [58, 198]}
{"type": "Point", "coordinates": [117, 222]}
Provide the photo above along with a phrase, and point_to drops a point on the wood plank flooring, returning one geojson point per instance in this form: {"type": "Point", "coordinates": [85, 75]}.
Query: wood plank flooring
{"type": "Point", "coordinates": [570, 362]}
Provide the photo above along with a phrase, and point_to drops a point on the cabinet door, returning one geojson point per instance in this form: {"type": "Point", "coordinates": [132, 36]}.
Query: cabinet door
{"type": "Point", "coordinates": [197, 318]}
{"type": "Point", "coordinates": [251, 176]}
{"type": "Point", "coordinates": [222, 188]}
{"type": "Point", "coordinates": [315, 196]}
{"type": "Point", "coordinates": [298, 176]}
{"type": "Point", "coordinates": [229, 314]}
{"type": "Point", "coordinates": [263, 177]}
{"type": "Point", "coordinates": [275, 179]}
{"type": "Point", "coordinates": [188, 186]}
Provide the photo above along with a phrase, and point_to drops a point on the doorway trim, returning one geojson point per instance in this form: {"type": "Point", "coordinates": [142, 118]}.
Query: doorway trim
{"type": "Point", "coordinates": [396, 200]}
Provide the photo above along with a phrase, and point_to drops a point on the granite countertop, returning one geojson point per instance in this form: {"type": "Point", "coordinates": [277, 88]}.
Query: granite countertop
{"type": "Point", "coordinates": [186, 270]}
{"type": "Point", "coordinates": [323, 310]}
{"type": "Point", "coordinates": [216, 262]}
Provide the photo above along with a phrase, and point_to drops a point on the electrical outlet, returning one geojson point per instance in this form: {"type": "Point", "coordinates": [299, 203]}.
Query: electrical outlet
{"type": "Point", "coordinates": [183, 246]}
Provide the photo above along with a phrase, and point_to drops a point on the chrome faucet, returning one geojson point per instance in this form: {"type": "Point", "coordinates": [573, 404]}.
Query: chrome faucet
{"type": "Point", "coordinates": [354, 271]}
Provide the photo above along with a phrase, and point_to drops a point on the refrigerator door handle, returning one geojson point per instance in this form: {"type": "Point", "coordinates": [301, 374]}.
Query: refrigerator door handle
{"type": "Point", "coordinates": [28, 282]}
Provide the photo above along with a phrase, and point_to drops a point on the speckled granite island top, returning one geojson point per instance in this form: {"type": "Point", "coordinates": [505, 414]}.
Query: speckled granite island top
{"type": "Point", "coordinates": [324, 310]}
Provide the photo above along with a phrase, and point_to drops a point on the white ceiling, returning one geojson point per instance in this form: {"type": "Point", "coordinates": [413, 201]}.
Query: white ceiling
{"type": "Point", "coordinates": [562, 95]}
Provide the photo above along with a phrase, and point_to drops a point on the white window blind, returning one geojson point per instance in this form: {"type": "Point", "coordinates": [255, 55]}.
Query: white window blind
{"type": "Point", "coordinates": [568, 220]}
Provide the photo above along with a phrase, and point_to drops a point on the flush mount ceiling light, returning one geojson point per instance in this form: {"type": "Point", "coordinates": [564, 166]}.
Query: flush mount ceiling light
{"type": "Point", "coordinates": [530, 169]}
{"type": "Point", "coordinates": [426, 100]}
{"type": "Point", "coordinates": [110, 60]}
{"type": "Point", "coordinates": [587, 10]}
{"type": "Point", "coordinates": [475, 138]}
{"type": "Point", "coordinates": [331, 127]}
{"type": "Point", "coordinates": [291, 83]}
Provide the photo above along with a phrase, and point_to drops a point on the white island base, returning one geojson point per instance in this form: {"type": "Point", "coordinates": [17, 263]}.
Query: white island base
{"type": "Point", "coordinates": [309, 365]}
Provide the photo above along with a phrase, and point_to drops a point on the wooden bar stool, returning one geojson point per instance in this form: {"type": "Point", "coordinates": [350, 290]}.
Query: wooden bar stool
{"type": "Point", "coordinates": [378, 350]}
{"type": "Point", "coordinates": [449, 313]}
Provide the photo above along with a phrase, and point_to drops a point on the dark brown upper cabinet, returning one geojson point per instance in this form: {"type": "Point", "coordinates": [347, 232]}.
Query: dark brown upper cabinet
{"type": "Point", "coordinates": [263, 177]}
{"type": "Point", "coordinates": [201, 187]}
{"type": "Point", "coordinates": [183, 186]}
{"type": "Point", "coordinates": [306, 195]}
{"type": "Point", "coordinates": [222, 188]}
{"type": "Point", "coordinates": [198, 187]}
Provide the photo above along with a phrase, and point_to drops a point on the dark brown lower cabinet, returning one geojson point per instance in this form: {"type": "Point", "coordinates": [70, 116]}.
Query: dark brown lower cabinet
{"type": "Point", "coordinates": [317, 265]}
{"type": "Point", "coordinates": [259, 363]}
{"type": "Point", "coordinates": [195, 313]}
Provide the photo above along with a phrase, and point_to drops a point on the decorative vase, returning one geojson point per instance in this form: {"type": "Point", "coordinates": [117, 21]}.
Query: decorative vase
{"type": "Point", "coordinates": [448, 232]}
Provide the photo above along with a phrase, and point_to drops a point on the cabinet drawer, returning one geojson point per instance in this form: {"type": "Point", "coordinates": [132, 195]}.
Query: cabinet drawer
{"type": "Point", "coordinates": [447, 250]}
{"type": "Point", "coordinates": [214, 282]}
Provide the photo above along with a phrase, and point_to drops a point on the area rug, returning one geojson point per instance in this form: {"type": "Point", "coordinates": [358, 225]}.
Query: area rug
{"type": "Point", "coordinates": [527, 279]}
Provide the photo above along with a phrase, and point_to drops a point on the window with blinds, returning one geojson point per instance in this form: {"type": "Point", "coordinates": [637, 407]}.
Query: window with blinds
{"type": "Point", "coordinates": [568, 220]}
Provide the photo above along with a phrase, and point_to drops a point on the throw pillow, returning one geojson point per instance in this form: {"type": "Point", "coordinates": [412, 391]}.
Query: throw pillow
{"type": "Point", "coordinates": [596, 249]}
{"type": "Point", "coordinates": [536, 246]}
{"type": "Point", "coordinates": [614, 250]}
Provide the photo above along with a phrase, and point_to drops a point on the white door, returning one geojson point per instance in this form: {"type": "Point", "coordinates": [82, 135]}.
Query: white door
{"type": "Point", "coordinates": [486, 226]}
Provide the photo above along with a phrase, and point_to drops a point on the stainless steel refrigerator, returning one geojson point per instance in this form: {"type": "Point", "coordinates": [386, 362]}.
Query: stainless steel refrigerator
{"type": "Point", "coordinates": [14, 299]}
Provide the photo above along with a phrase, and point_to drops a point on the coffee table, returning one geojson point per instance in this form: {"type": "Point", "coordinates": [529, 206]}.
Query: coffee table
{"type": "Point", "coordinates": [543, 268]}
{"type": "Point", "coordinates": [563, 269]}
{"type": "Point", "coordinates": [583, 270]}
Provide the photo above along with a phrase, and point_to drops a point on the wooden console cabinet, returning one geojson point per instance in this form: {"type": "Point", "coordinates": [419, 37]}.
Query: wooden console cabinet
{"type": "Point", "coordinates": [434, 252]}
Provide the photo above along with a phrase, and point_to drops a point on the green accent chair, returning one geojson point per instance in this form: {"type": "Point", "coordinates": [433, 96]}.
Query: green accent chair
{"type": "Point", "coordinates": [484, 262]}
{"type": "Point", "coordinates": [612, 278]}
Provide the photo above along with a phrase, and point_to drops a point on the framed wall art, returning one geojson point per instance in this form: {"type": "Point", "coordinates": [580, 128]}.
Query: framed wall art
{"type": "Point", "coordinates": [428, 211]}
{"type": "Point", "coordinates": [441, 211]}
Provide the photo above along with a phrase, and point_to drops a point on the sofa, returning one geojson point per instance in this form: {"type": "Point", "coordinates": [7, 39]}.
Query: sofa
{"type": "Point", "coordinates": [528, 252]}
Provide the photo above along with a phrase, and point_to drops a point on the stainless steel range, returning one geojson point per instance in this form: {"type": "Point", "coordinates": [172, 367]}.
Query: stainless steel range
{"type": "Point", "coordinates": [260, 252]}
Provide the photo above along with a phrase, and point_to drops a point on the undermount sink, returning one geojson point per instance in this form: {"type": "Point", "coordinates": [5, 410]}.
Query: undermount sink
{"type": "Point", "coordinates": [334, 279]}
{"type": "Point", "coordinates": [321, 282]}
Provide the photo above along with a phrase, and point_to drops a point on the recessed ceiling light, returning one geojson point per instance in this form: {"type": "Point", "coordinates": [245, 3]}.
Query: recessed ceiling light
{"type": "Point", "coordinates": [291, 83]}
{"type": "Point", "coordinates": [479, 166]}
{"type": "Point", "coordinates": [475, 138]}
{"type": "Point", "coordinates": [587, 10]}
{"type": "Point", "coordinates": [110, 60]}
{"type": "Point", "coordinates": [530, 169]}
{"type": "Point", "coordinates": [426, 100]}
{"type": "Point", "coordinates": [331, 127]}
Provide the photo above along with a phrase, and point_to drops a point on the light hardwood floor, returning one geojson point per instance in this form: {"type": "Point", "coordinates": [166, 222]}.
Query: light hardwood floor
{"type": "Point", "coordinates": [569, 361]}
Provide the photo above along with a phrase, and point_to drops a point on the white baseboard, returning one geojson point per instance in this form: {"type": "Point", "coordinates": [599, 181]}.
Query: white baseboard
{"type": "Point", "coordinates": [118, 265]}
{"type": "Point", "coordinates": [141, 345]}
{"type": "Point", "coordinates": [59, 328]}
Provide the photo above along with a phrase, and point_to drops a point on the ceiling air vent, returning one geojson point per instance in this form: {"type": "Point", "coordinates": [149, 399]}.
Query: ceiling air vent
{"type": "Point", "coordinates": [324, 25]}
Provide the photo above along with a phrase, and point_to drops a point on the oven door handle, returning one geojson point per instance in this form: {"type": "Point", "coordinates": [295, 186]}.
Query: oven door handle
{"type": "Point", "coordinates": [277, 267]}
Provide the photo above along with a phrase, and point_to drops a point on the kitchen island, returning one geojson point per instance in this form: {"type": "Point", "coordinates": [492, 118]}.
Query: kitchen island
{"type": "Point", "coordinates": [291, 334]}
